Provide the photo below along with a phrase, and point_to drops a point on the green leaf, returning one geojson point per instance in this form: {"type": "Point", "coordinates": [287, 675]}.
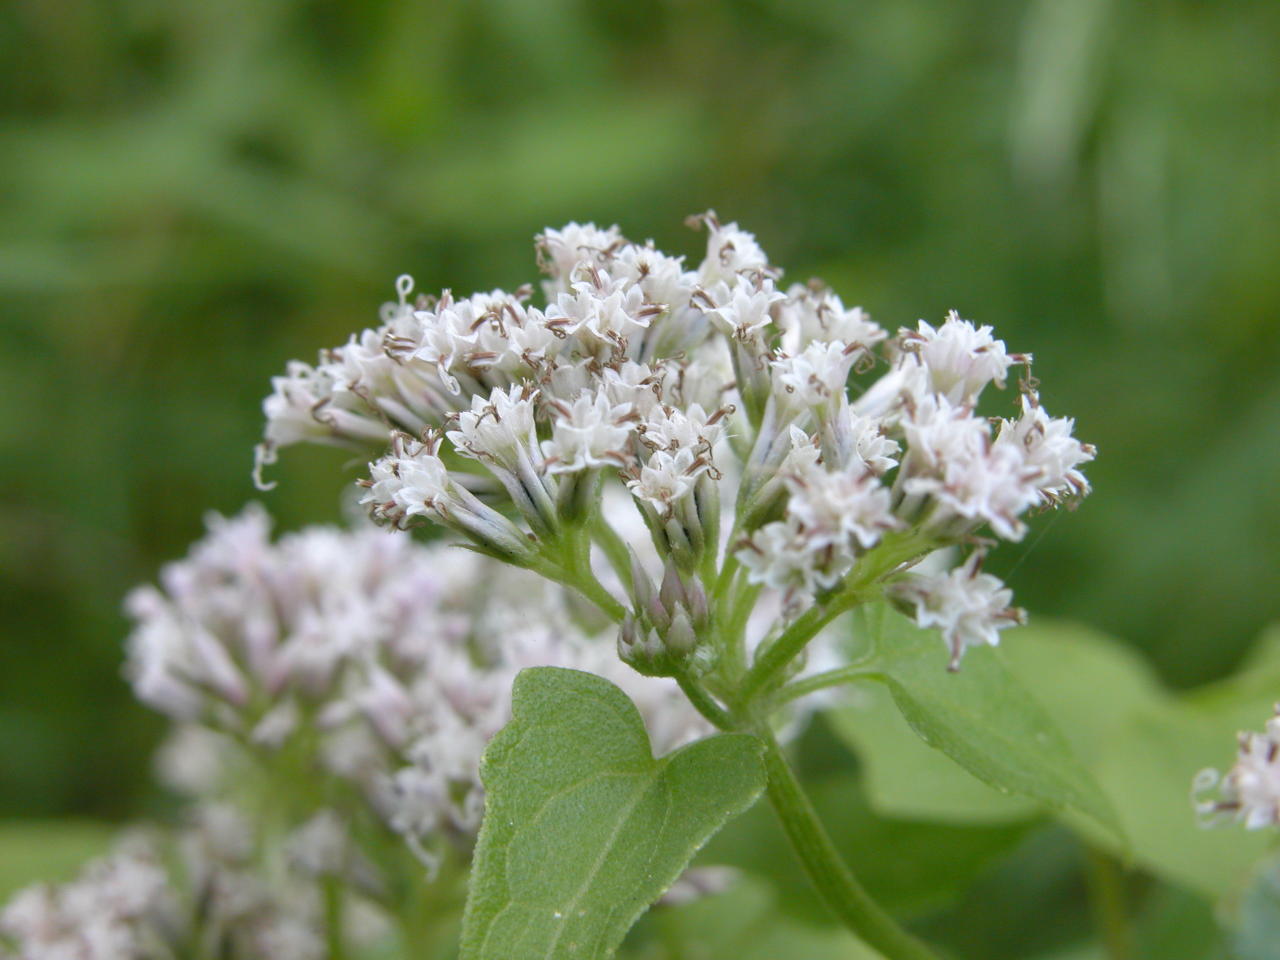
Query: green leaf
{"type": "Point", "coordinates": [1258, 919]}
{"type": "Point", "coordinates": [906, 778]}
{"type": "Point", "coordinates": [744, 923]}
{"type": "Point", "coordinates": [583, 828]}
{"type": "Point", "coordinates": [1145, 746]}
{"type": "Point", "coordinates": [47, 851]}
{"type": "Point", "coordinates": [981, 717]}
{"type": "Point", "coordinates": [1142, 745]}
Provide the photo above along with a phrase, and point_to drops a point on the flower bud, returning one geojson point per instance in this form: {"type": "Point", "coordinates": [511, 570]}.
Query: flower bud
{"type": "Point", "coordinates": [681, 639]}
{"type": "Point", "coordinates": [641, 585]}
{"type": "Point", "coordinates": [666, 635]}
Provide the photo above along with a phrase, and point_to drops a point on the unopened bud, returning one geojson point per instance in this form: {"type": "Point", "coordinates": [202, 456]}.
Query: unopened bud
{"type": "Point", "coordinates": [672, 590]}
{"type": "Point", "coordinates": [681, 638]}
{"type": "Point", "coordinates": [641, 585]}
{"type": "Point", "coordinates": [666, 635]}
{"type": "Point", "coordinates": [642, 648]}
{"type": "Point", "coordinates": [697, 605]}
{"type": "Point", "coordinates": [657, 613]}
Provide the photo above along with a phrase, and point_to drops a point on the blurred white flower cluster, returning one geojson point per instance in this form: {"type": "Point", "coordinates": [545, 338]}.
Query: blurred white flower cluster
{"type": "Point", "coordinates": [716, 466]}
{"type": "Point", "coordinates": [383, 662]}
{"type": "Point", "coordinates": [846, 454]}
{"type": "Point", "coordinates": [1250, 791]}
{"type": "Point", "coordinates": [200, 892]}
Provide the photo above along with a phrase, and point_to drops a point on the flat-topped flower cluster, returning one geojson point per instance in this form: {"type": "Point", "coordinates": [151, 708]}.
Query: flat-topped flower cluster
{"type": "Point", "coordinates": [198, 891]}
{"type": "Point", "coordinates": [714, 464]}
{"type": "Point", "coordinates": [374, 657]}
{"type": "Point", "coordinates": [826, 439]}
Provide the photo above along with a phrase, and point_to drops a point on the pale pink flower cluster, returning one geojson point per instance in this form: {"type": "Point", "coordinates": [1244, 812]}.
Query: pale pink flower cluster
{"type": "Point", "coordinates": [399, 655]}
{"type": "Point", "coordinates": [691, 386]}
{"type": "Point", "coordinates": [1250, 791]}
{"type": "Point", "coordinates": [169, 896]}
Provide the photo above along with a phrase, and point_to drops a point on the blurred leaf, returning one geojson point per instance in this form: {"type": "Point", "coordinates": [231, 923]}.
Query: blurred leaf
{"type": "Point", "coordinates": [744, 924]}
{"type": "Point", "coordinates": [1178, 925]}
{"type": "Point", "coordinates": [1145, 746]}
{"type": "Point", "coordinates": [583, 829]}
{"type": "Point", "coordinates": [982, 718]}
{"type": "Point", "coordinates": [907, 778]}
{"type": "Point", "coordinates": [39, 851]}
{"type": "Point", "coordinates": [1141, 744]}
{"type": "Point", "coordinates": [1257, 936]}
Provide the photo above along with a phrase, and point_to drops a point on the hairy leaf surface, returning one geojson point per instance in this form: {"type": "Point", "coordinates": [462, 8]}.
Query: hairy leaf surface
{"type": "Point", "coordinates": [583, 828]}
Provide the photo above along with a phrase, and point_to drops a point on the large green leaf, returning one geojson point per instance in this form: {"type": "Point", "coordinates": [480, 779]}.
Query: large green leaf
{"type": "Point", "coordinates": [744, 923]}
{"type": "Point", "coordinates": [1145, 745]}
{"type": "Point", "coordinates": [981, 717]}
{"type": "Point", "coordinates": [583, 828]}
{"type": "Point", "coordinates": [1142, 745]}
{"type": "Point", "coordinates": [907, 778]}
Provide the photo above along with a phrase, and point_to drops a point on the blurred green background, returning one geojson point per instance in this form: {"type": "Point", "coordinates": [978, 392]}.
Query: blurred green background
{"type": "Point", "coordinates": [192, 193]}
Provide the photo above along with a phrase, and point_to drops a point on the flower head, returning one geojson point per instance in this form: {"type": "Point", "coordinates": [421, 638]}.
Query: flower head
{"type": "Point", "coordinates": [690, 388]}
{"type": "Point", "coordinates": [969, 607]}
{"type": "Point", "coordinates": [1250, 791]}
{"type": "Point", "coordinates": [384, 649]}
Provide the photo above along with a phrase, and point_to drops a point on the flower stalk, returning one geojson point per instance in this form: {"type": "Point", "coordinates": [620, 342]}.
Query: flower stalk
{"type": "Point", "coordinates": [828, 872]}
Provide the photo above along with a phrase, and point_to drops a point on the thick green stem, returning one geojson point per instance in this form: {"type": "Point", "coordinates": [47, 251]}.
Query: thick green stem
{"type": "Point", "coordinates": [828, 872]}
{"type": "Point", "coordinates": [704, 703]}
{"type": "Point", "coordinates": [1107, 896]}
{"type": "Point", "coordinates": [335, 938]}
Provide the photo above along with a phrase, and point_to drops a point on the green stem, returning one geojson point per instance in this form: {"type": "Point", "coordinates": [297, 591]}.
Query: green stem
{"type": "Point", "coordinates": [861, 585]}
{"type": "Point", "coordinates": [821, 681]}
{"type": "Point", "coordinates": [332, 890]}
{"type": "Point", "coordinates": [1107, 896]}
{"type": "Point", "coordinates": [704, 703]}
{"type": "Point", "coordinates": [612, 545]}
{"type": "Point", "coordinates": [774, 657]}
{"type": "Point", "coordinates": [572, 568]}
{"type": "Point", "coordinates": [828, 872]}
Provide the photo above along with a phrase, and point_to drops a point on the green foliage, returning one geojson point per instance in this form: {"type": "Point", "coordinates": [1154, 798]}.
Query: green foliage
{"type": "Point", "coordinates": [982, 718]}
{"type": "Point", "coordinates": [1258, 917]}
{"type": "Point", "coordinates": [195, 193]}
{"type": "Point", "coordinates": [583, 828]}
{"type": "Point", "coordinates": [744, 923]}
{"type": "Point", "coordinates": [47, 851]}
{"type": "Point", "coordinates": [1142, 744]}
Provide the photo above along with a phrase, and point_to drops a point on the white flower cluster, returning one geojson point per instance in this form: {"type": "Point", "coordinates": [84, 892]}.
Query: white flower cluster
{"type": "Point", "coordinates": [500, 419]}
{"type": "Point", "coordinates": [394, 659]}
{"type": "Point", "coordinates": [968, 606]}
{"type": "Point", "coordinates": [1250, 792]}
{"type": "Point", "coordinates": [194, 895]}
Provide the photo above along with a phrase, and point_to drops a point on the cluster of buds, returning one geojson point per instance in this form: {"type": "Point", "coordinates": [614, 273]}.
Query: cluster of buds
{"type": "Point", "coordinates": [362, 655]}
{"type": "Point", "coordinates": [1250, 791]}
{"type": "Point", "coordinates": [661, 638]}
{"type": "Point", "coordinates": [826, 443]}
